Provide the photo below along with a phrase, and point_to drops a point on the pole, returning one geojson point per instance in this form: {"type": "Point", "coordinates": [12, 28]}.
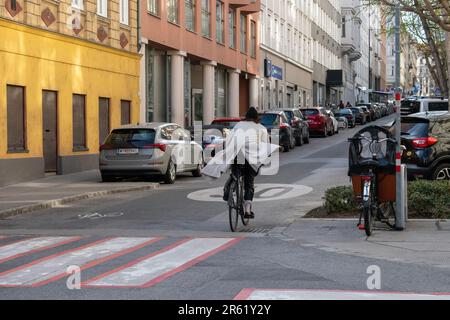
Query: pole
{"type": "Point", "coordinates": [400, 218]}
{"type": "Point", "coordinates": [370, 41]}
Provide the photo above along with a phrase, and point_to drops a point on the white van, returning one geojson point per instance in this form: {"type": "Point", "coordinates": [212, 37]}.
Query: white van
{"type": "Point", "coordinates": [414, 105]}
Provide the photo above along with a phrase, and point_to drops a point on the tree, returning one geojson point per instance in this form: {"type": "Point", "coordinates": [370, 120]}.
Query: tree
{"type": "Point", "coordinates": [433, 15]}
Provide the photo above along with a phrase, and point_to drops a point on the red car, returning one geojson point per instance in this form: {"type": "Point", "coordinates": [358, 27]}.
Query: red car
{"type": "Point", "coordinates": [319, 121]}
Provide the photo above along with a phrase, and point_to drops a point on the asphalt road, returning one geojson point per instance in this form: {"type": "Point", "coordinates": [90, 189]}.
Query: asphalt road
{"type": "Point", "coordinates": [174, 243]}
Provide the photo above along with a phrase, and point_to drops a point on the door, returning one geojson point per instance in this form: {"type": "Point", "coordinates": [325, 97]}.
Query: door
{"type": "Point", "coordinates": [50, 130]}
{"type": "Point", "coordinates": [103, 119]}
{"type": "Point", "coordinates": [197, 105]}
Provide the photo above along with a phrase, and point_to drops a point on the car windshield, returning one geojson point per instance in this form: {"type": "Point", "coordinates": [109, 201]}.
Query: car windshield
{"type": "Point", "coordinates": [269, 119]}
{"type": "Point", "coordinates": [290, 115]}
{"type": "Point", "coordinates": [355, 110]}
{"type": "Point", "coordinates": [131, 138]}
{"type": "Point", "coordinates": [415, 128]}
{"type": "Point", "coordinates": [310, 112]}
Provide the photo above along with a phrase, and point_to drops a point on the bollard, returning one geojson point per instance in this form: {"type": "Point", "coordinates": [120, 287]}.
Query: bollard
{"type": "Point", "coordinates": [401, 216]}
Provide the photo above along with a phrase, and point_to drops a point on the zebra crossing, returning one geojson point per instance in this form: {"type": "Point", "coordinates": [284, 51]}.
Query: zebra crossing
{"type": "Point", "coordinates": [142, 272]}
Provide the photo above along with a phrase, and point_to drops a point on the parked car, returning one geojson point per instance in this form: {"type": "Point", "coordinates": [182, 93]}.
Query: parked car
{"type": "Point", "coordinates": [413, 105]}
{"type": "Point", "coordinates": [367, 112]}
{"type": "Point", "coordinates": [383, 108]}
{"type": "Point", "coordinates": [373, 115]}
{"type": "Point", "coordinates": [147, 149]}
{"type": "Point", "coordinates": [298, 123]}
{"type": "Point", "coordinates": [360, 116]}
{"type": "Point", "coordinates": [212, 139]}
{"type": "Point", "coordinates": [228, 123]}
{"type": "Point", "coordinates": [278, 120]}
{"type": "Point", "coordinates": [335, 122]}
{"type": "Point", "coordinates": [319, 121]}
{"type": "Point", "coordinates": [348, 115]}
{"type": "Point", "coordinates": [426, 137]}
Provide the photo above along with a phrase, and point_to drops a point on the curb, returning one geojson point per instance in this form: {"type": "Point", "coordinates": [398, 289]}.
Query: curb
{"type": "Point", "coordinates": [84, 196]}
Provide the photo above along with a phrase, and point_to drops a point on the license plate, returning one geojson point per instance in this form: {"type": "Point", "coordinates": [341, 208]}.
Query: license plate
{"type": "Point", "coordinates": [127, 151]}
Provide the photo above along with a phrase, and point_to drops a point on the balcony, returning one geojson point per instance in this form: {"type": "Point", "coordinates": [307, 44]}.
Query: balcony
{"type": "Point", "coordinates": [246, 6]}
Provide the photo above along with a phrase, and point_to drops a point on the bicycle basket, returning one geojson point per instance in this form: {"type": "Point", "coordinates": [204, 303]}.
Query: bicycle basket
{"type": "Point", "coordinates": [378, 156]}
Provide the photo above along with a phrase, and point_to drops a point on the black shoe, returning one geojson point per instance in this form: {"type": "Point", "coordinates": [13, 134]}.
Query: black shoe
{"type": "Point", "coordinates": [249, 215]}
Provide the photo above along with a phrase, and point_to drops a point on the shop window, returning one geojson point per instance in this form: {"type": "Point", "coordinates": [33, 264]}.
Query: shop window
{"type": "Point", "coordinates": [16, 119]}
{"type": "Point", "coordinates": [79, 122]}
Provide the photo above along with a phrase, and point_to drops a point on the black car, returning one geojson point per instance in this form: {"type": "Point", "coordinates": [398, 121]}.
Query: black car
{"type": "Point", "coordinates": [360, 115]}
{"type": "Point", "coordinates": [426, 137]}
{"type": "Point", "coordinates": [279, 121]}
{"type": "Point", "coordinates": [348, 114]}
{"type": "Point", "coordinates": [299, 124]}
{"type": "Point", "coordinates": [373, 114]}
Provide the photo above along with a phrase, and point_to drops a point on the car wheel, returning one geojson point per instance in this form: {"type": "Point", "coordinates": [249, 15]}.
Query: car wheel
{"type": "Point", "coordinates": [331, 132]}
{"type": "Point", "coordinates": [197, 173]}
{"type": "Point", "coordinates": [442, 172]}
{"type": "Point", "coordinates": [108, 178]}
{"type": "Point", "coordinates": [325, 132]}
{"type": "Point", "coordinates": [171, 173]}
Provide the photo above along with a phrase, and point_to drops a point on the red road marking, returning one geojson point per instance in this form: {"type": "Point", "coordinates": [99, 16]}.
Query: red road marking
{"type": "Point", "coordinates": [86, 266]}
{"type": "Point", "coordinates": [165, 275]}
{"type": "Point", "coordinates": [51, 246]}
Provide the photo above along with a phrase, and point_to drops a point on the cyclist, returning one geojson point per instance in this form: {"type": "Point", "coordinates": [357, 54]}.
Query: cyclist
{"type": "Point", "coordinates": [248, 144]}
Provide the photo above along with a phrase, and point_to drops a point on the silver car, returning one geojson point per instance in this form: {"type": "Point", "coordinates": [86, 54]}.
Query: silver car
{"type": "Point", "coordinates": [148, 149]}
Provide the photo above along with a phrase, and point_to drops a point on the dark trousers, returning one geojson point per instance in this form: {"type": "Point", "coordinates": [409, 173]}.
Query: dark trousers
{"type": "Point", "coordinates": [249, 183]}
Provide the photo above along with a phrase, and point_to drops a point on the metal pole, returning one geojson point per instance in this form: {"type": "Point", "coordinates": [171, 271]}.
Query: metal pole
{"type": "Point", "coordinates": [400, 218]}
{"type": "Point", "coordinates": [370, 41]}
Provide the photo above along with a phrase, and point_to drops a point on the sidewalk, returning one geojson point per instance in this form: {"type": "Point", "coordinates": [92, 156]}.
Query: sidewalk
{"type": "Point", "coordinates": [425, 242]}
{"type": "Point", "coordinates": [57, 190]}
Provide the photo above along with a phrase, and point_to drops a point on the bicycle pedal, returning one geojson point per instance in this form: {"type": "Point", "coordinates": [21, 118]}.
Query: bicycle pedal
{"type": "Point", "coordinates": [361, 227]}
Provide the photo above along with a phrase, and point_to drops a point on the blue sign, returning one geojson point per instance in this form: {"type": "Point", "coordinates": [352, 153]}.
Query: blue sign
{"type": "Point", "coordinates": [277, 72]}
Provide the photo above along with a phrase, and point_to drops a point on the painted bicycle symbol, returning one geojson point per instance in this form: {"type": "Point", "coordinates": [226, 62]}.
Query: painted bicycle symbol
{"type": "Point", "coordinates": [96, 215]}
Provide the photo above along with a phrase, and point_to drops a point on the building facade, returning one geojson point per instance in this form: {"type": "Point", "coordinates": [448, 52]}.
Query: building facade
{"type": "Point", "coordinates": [69, 72]}
{"type": "Point", "coordinates": [200, 59]}
{"type": "Point", "coordinates": [286, 54]}
{"type": "Point", "coordinates": [326, 34]}
{"type": "Point", "coordinates": [426, 84]}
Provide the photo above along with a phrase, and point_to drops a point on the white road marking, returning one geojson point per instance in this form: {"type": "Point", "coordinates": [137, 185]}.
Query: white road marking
{"type": "Point", "coordinates": [263, 192]}
{"type": "Point", "coordinates": [250, 294]}
{"type": "Point", "coordinates": [39, 271]}
{"type": "Point", "coordinates": [23, 247]}
{"type": "Point", "coordinates": [154, 268]}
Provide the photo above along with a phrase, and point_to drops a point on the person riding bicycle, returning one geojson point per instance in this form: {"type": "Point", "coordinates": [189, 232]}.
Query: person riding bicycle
{"type": "Point", "coordinates": [248, 144]}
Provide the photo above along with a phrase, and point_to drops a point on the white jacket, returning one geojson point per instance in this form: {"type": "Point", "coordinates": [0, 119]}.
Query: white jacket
{"type": "Point", "coordinates": [247, 139]}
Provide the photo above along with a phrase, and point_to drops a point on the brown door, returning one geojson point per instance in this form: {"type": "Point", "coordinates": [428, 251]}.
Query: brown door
{"type": "Point", "coordinates": [125, 111]}
{"type": "Point", "coordinates": [50, 127]}
{"type": "Point", "coordinates": [103, 119]}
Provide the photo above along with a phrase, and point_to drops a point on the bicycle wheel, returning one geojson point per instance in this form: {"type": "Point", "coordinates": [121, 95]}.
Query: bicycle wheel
{"type": "Point", "coordinates": [369, 218]}
{"type": "Point", "coordinates": [233, 206]}
{"type": "Point", "coordinates": [245, 221]}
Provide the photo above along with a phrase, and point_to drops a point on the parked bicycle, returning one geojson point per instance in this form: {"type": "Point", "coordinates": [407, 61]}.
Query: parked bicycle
{"type": "Point", "coordinates": [372, 169]}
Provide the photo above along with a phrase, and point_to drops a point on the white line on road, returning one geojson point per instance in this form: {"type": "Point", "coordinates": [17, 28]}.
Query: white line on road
{"type": "Point", "coordinates": [254, 294]}
{"type": "Point", "coordinates": [20, 248]}
{"type": "Point", "coordinates": [52, 268]}
{"type": "Point", "coordinates": [157, 267]}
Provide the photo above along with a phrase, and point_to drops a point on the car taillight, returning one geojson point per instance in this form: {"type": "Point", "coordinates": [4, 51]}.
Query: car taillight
{"type": "Point", "coordinates": [283, 126]}
{"type": "Point", "coordinates": [424, 142]}
{"type": "Point", "coordinates": [159, 146]}
{"type": "Point", "coordinates": [105, 147]}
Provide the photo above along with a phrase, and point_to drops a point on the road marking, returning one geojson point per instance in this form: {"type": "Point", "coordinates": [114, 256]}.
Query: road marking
{"type": "Point", "coordinates": [52, 268]}
{"type": "Point", "coordinates": [263, 193]}
{"type": "Point", "coordinates": [150, 270]}
{"type": "Point", "coordinates": [269, 294]}
{"type": "Point", "coordinates": [96, 215]}
{"type": "Point", "coordinates": [23, 247]}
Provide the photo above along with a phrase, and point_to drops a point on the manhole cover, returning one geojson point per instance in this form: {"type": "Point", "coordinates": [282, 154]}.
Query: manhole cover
{"type": "Point", "coordinates": [256, 230]}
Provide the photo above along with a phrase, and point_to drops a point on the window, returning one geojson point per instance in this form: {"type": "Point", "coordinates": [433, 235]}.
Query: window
{"type": "Point", "coordinates": [77, 4]}
{"type": "Point", "coordinates": [343, 28]}
{"type": "Point", "coordinates": [172, 11]}
{"type": "Point", "coordinates": [103, 119]}
{"type": "Point", "coordinates": [253, 39]}
{"type": "Point", "coordinates": [243, 33]}
{"type": "Point", "coordinates": [206, 18]}
{"type": "Point", "coordinates": [190, 14]}
{"type": "Point", "coordinates": [16, 118]}
{"type": "Point", "coordinates": [232, 27]}
{"type": "Point", "coordinates": [219, 22]}
{"type": "Point", "coordinates": [102, 8]}
{"type": "Point", "coordinates": [79, 122]}
{"type": "Point", "coordinates": [124, 11]}
{"type": "Point", "coordinates": [153, 7]}
{"type": "Point", "coordinates": [125, 110]}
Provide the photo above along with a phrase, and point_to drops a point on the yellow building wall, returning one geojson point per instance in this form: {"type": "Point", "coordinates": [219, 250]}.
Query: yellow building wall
{"type": "Point", "coordinates": [42, 60]}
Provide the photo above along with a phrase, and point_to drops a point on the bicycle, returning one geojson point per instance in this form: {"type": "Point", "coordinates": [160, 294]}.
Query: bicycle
{"type": "Point", "coordinates": [373, 177]}
{"type": "Point", "coordinates": [236, 198]}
